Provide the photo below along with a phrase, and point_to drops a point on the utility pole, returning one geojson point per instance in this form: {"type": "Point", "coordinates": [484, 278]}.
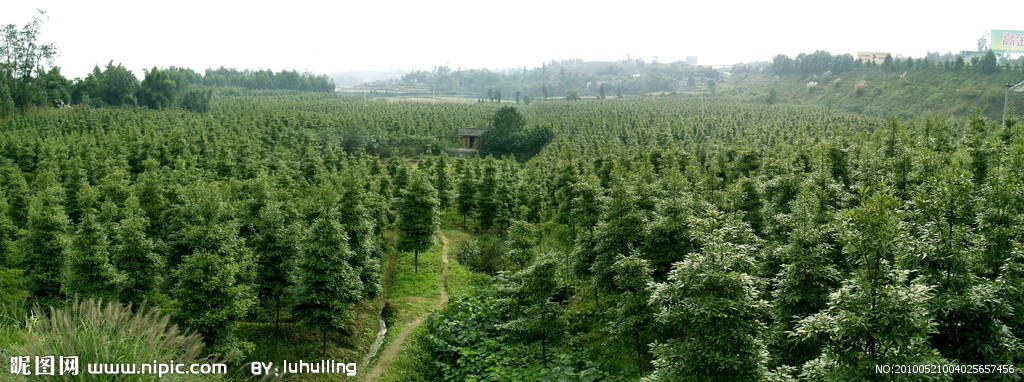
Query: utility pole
{"type": "Point", "coordinates": [1006, 102]}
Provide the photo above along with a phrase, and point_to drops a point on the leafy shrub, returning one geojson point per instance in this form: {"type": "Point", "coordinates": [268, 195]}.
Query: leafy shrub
{"type": "Point", "coordinates": [508, 134]}
{"type": "Point", "coordinates": [860, 87]}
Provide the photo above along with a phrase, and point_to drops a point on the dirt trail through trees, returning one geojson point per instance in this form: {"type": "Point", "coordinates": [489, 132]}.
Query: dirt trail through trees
{"type": "Point", "coordinates": [398, 343]}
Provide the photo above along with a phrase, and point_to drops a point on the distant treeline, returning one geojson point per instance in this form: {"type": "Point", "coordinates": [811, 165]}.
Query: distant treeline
{"type": "Point", "coordinates": [556, 78]}
{"type": "Point", "coordinates": [26, 82]}
{"type": "Point", "coordinates": [115, 85]}
{"type": "Point", "coordinates": [258, 79]}
{"type": "Point", "coordinates": [822, 61]}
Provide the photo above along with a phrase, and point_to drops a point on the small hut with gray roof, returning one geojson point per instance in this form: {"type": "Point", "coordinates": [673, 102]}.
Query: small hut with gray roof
{"type": "Point", "coordinates": [471, 138]}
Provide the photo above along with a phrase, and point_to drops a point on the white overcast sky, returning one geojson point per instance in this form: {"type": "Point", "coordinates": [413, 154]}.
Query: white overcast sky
{"type": "Point", "coordinates": [329, 36]}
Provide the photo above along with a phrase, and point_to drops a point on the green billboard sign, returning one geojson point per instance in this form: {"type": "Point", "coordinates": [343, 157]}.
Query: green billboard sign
{"type": "Point", "coordinates": [1005, 41]}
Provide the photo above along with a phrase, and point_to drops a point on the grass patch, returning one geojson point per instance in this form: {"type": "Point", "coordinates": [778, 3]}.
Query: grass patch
{"type": "Point", "coordinates": [460, 278]}
{"type": "Point", "coordinates": [408, 282]}
{"type": "Point", "coordinates": [451, 220]}
{"type": "Point", "coordinates": [408, 366]}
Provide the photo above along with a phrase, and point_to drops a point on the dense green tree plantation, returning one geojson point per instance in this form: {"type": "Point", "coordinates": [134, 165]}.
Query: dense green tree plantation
{"type": "Point", "coordinates": [655, 239]}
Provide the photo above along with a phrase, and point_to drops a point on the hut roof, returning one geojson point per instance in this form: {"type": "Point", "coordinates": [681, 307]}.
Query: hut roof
{"type": "Point", "coordinates": [471, 132]}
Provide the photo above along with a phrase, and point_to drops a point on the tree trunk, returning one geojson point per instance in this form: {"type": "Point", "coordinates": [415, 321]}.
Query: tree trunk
{"type": "Point", "coordinates": [639, 355]}
{"type": "Point", "coordinates": [277, 314]}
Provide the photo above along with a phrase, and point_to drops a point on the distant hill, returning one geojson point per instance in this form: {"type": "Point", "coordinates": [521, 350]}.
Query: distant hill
{"type": "Point", "coordinates": [352, 77]}
{"type": "Point", "coordinates": [897, 89]}
{"type": "Point", "coordinates": [553, 79]}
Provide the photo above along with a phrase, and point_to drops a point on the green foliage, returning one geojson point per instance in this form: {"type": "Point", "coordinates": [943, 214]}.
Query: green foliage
{"type": "Point", "coordinates": [520, 242]}
{"type": "Point", "coordinates": [853, 328]}
{"type": "Point", "coordinates": [329, 284]}
{"type": "Point", "coordinates": [263, 79]}
{"type": "Point", "coordinates": [12, 287]}
{"type": "Point", "coordinates": [710, 313]}
{"type": "Point", "coordinates": [471, 338]}
{"type": "Point", "coordinates": [877, 316]}
{"type": "Point", "coordinates": [45, 245]}
{"type": "Point", "coordinates": [22, 55]}
{"type": "Point", "coordinates": [7, 107]}
{"type": "Point", "coordinates": [55, 87]}
{"type": "Point", "coordinates": [810, 271]}
{"type": "Point", "coordinates": [211, 295]}
{"type": "Point", "coordinates": [1011, 289]}
{"type": "Point", "coordinates": [196, 99]}
{"type": "Point", "coordinates": [443, 182]}
{"type": "Point", "coordinates": [115, 85]}
{"type": "Point", "coordinates": [488, 198]}
{"type": "Point", "coordinates": [623, 228]}
{"type": "Point", "coordinates": [271, 229]}
{"type": "Point", "coordinates": [157, 90]}
{"type": "Point", "coordinates": [89, 271]}
{"type": "Point", "coordinates": [17, 192]}
{"type": "Point", "coordinates": [530, 292]}
{"type": "Point", "coordinates": [418, 215]}
{"type": "Point", "coordinates": [8, 234]}
{"type": "Point", "coordinates": [212, 277]}
{"type": "Point", "coordinates": [506, 126]}
{"type": "Point", "coordinates": [632, 318]}
{"type": "Point", "coordinates": [580, 202]}
{"type": "Point", "coordinates": [360, 227]}
{"type": "Point", "coordinates": [467, 189]}
{"type": "Point", "coordinates": [468, 252]}
{"type": "Point", "coordinates": [988, 63]}
{"type": "Point", "coordinates": [134, 255]}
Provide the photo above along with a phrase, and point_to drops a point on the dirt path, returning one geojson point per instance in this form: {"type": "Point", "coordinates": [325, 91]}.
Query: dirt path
{"type": "Point", "coordinates": [396, 345]}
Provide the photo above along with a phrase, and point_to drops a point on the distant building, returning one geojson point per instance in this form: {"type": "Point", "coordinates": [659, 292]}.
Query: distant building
{"type": "Point", "coordinates": [691, 60]}
{"type": "Point", "coordinates": [876, 57]}
{"type": "Point", "coordinates": [470, 142]}
{"type": "Point", "coordinates": [471, 138]}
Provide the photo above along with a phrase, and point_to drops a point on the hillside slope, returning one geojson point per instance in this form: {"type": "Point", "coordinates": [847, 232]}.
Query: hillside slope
{"type": "Point", "coordinates": [900, 92]}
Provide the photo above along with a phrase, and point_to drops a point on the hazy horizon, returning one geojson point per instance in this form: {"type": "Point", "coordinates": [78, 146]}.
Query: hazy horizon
{"type": "Point", "coordinates": [401, 36]}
